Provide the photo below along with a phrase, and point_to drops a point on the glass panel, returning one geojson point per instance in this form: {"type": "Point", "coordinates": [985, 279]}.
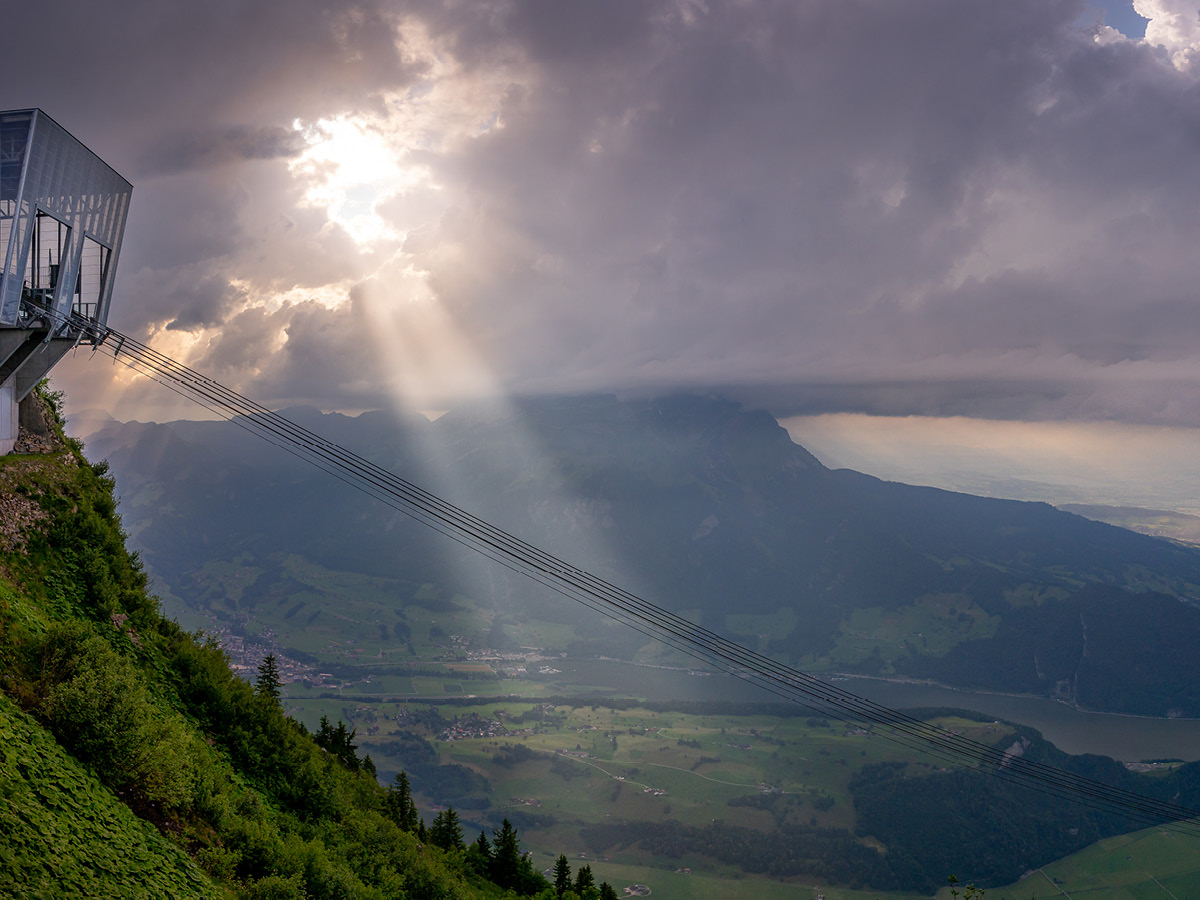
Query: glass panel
{"type": "Point", "coordinates": [51, 239]}
{"type": "Point", "coordinates": [14, 134]}
{"type": "Point", "coordinates": [93, 269]}
{"type": "Point", "coordinates": [56, 193]}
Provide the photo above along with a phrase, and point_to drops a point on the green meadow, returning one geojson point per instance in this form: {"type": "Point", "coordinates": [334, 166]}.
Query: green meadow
{"type": "Point", "coordinates": [1144, 865]}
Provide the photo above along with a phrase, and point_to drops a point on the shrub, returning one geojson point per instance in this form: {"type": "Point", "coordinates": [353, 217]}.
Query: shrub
{"type": "Point", "coordinates": [99, 708]}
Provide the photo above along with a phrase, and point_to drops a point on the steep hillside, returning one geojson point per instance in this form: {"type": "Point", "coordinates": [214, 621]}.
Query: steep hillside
{"type": "Point", "coordinates": [134, 764]}
{"type": "Point", "coordinates": [66, 834]}
{"type": "Point", "coordinates": [694, 503]}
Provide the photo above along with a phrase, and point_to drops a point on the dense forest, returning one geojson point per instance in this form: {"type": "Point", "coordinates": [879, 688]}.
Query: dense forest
{"type": "Point", "coordinates": [134, 763]}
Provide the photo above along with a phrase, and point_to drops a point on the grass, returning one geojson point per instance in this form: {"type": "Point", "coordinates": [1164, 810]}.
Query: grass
{"type": "Point", "coordinates": [1145, 864]}
{"type": "Point", "coordinates": [64, 832]}
{"type": "Point", "coordinates": [671, 883]}
{"type": "Point", "coordinates": [702, 762]}
{"type": "Point", "coordinates": [934, 623]}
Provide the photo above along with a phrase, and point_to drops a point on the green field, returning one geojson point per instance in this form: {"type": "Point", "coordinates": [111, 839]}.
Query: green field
{"type": "Point", "coordinates": [586, 765]}
{"type": "Point", "coordinates": [343, 621]}
{"type": "Point", "coordinates": [1145, 865]}
{"type": "Point", "coordinates": [582, 765]}
{"type": "Point", "coordinates": [935, 623]}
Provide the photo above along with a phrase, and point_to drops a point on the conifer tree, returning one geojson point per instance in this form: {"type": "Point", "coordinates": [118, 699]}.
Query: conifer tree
{"type": "Point", "coordinates": [436, 830]}
{"type": "Point", "coordinates": [446, 832]}
{"type": "Point", "coordinates": [400, 807]}
{"type": "Point", "coordinates": [506, 856]}
{"type": "Point", "coordinates": [267, 686]}
{"type": "Point", "coordinates": [562, 876]}
{"type": "Point", "coordinates": [339, 741]}
{"type": "Point", "coordinates": [607, 891]}
{"type": "Point", "coordinates": [344, 746]}
{"type": "Point", "coordinates": [584, 882]}
{"type": "Point", "coordinates": [479, 855]}
{"type": "Point", "coordinates": [481, 844]}
{"type": "Point", "coordinates": [454, 832]}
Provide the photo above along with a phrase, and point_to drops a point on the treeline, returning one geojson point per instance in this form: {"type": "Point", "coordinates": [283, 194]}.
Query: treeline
{"type": "Point", "coordinates": [828, 854]}
{"type": "Point", "coordinates": [442, 784]}
{"type": "Point", "coordinates": [967, 822]}
{"type": "Point", "coordinates": [991, 830]}
{"type": "Point", "coordinates": [1040, 649]}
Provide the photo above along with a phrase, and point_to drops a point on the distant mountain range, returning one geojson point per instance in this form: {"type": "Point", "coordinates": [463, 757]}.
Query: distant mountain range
{"type": "Point", "coordinates": [704, 507]}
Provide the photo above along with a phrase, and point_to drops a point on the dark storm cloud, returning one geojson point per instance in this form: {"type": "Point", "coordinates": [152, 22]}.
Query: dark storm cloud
{"type": "Point", "coordinates": [867, 205]}
{"type": "Point", "coordinates": [204, 148]}
{"type": "Point", "coordinates": [151, 71]}
{"type": "Point", "coordinates": [1164, 401]}
{"type": "Point", "coordinates": [807, 188]}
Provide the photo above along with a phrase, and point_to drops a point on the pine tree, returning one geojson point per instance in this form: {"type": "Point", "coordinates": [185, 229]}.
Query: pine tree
{"type": "Point", "coordinates": [584, 881]}
{"type": "Point", "coordinates": [482, 846]}
{"type": "Point", "coordinates": [446, 832]}
{"type": "Point", "coordinates": [562, 876]}
{"type": "Point", "coordinates": [267, 686]}
{"type": "Point", "coordinates": [479, 855]}
{"type": "Point", "coordinates": [454, 832]}
{"type": "Point", "coordinates": [399, 805]}
{"type": "Point", "coordinates": [437, 830]}
{"type": "Point", "coordinates": [506, 856]}
{"type": "Point", "coordinates": [324, 735]}
{"type": "Point", "coordinates": [340, 742]}
{"type": "Point", "coordinates": [607, 891]}
{"type": "Point", "coordinates": [344, 746]}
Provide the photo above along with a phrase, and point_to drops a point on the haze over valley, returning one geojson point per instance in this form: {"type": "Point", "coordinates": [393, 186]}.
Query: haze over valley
{"type": "Point", "coordinates": [712, 510]}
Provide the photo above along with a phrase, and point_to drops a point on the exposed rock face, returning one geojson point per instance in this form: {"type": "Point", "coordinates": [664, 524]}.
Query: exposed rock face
{"type": "Point", "coordinates": [36, 433]}
{"type": "Point", "coordinates": [18, 515]}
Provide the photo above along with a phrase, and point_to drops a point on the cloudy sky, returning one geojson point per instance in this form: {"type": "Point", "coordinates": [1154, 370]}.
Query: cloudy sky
{"type": "Point", "coordinates": [863, 208]}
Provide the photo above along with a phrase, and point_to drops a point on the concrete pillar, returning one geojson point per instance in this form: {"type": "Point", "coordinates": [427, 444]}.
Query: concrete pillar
{"type": "Point", "coordinates": [9, 420]}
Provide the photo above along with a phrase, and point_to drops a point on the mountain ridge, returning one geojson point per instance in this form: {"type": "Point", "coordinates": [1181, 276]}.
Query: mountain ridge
{"type": "Point", "coordinates": [692, 502]}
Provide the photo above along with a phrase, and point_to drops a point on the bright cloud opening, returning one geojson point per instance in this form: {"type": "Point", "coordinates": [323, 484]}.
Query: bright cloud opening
{"type": "Point", "coordinates": [352, 167]}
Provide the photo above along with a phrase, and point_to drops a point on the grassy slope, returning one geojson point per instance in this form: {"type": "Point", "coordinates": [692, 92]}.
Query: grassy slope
{"type": "Point", "coordinates": [132, 761]}
{"type": "Point", "coordinates": [1146, 864]}
{"type": "Point", "coordinates": [65, 833]}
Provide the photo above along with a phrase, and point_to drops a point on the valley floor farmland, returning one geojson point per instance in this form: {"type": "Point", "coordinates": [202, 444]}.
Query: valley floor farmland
{"type": "Point", "coordinates": [647, 795]}
{"type": "Point", "coordinates": [568, 774]}
{"type": "Point", "coordinates": [399, 678]}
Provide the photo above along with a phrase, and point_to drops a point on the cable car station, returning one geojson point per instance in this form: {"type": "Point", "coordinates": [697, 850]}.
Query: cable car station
{"type": "Point", "coordinates": [62, 214]}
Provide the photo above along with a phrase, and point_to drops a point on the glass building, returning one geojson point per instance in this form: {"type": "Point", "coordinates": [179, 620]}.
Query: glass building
{"type": "Point", "coordinates": [62, 214]}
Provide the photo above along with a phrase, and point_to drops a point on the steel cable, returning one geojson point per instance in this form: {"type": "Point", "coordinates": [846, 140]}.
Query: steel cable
{"type": "Point", "coordinates": [694, 640]}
